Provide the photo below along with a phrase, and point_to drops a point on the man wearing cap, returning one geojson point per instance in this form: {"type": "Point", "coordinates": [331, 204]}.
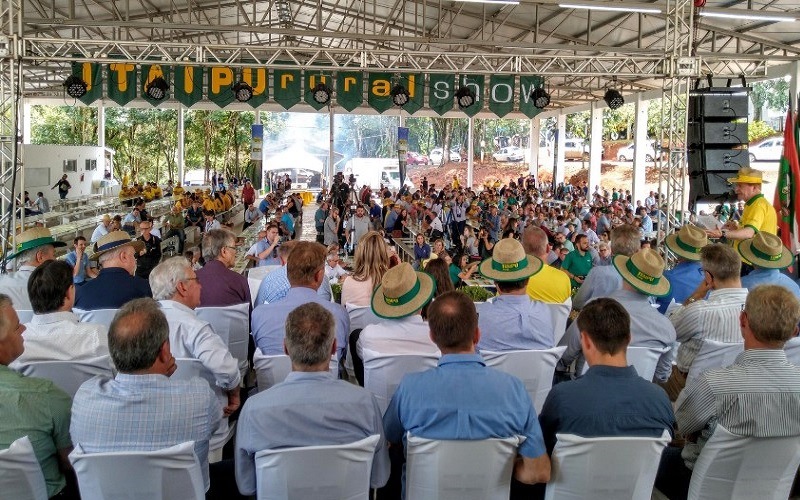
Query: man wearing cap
{"type": "Point", "coordinates": [768, 256]}
{"type": "Point", "coordinates": [305, 270]}
{"type": "Point", "coordinates": [687, 274]}
{"type": "Point", "coordinates": [512, 320]}
{"type": "Point", "coordinates": [34, 246]}
{"type": "Point", "coordinates": [102, 229]}
{"type": "Point", "coordinates": [602, 281]}
{"type": "Point", "coordinates": [549, 285]}
{"type": "Point", "coordinates": [116, 283]}
{"type": "Point", "coordinates": [399, 300]}
{"type": "Point", "coordinates": [643, 277]}
{"type": "Point", "coordinates": [759, 214]}
{"type": "Point", "coordinates": [715, 317]}
{"type": "Point", "coordinates": [463, 399]}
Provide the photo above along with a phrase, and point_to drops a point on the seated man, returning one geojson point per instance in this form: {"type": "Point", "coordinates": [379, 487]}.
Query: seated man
{"type": "Point", "coordinates": [549, 285]}
{"type": "Point", "coordinates": [768, 256]}
{"type": "Point", "coordinates": [142, 409]}
{"type": "Point", "coordinates": [176, 286]}
{"type": "Point", "coordinates": [451, 401]}
{"type": "Point", "coordinates": [513, 320]}
{"type": "Point", "coordinates": [221, 285]}
{"type": "Point", "coordinates": [602, 281]}
{"type": "Point", "coordinates": [55, 333]}
{"type": "Point", "coordinates": [590, 406]}
{"type": "Point", "coordinates": [298, 411]}
{"type": "Point", "coordinates": [34, 246]}
{"type": "Point", "coordinates": [79, 261]}
{"type": "Point", "coordinates": [758, 395]}
{"type": "Point", "coordinates": [32, 407]}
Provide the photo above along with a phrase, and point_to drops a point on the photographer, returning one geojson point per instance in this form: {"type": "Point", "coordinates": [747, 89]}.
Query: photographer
{"type": "Point", "coordinates": [485, 244]}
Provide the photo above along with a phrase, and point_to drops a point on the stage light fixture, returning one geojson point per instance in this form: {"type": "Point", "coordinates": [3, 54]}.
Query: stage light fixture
{"type": "Point", "coordinates": [540, 97]}
{"type": "Point", "coordinates": [400, 95]}
{"type": "Point", "coordinates": [242, 91]}
{"type": "Point", "coordinates": [465, 97]}
{"type": "Point", "coordinates": [613, 98]}
{"type": "Point", "coordinates": [76, 87]}
{"type": "Point", "coordinates": [321, 93]}
{"type": "Point", "coordinates": [157, 89]}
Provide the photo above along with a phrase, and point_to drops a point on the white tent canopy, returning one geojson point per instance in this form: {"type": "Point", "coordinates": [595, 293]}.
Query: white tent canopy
{"type": "Point", "coordinates": [293, 158]}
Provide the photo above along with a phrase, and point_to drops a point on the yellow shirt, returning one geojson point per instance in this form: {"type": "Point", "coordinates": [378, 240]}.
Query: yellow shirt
{"type": "Point", "coordinates": [208, 204]}
{"type": "Point", "coordinates": [550, 285]}
{"type": "Point", "coordinates": [177, 191]}
{"type": "Point", "coordinates": [158, 193]}
{"type": "Point", "coordinates": [759, 215]}
{"type": "Point", "coordinates": [226, 202]}
{"type": "Point", "coordinates": [219, 206]}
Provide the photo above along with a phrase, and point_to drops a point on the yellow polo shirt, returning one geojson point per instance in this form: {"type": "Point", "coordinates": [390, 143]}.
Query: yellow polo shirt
{"type": "Point", "coordinates": [549, 285]}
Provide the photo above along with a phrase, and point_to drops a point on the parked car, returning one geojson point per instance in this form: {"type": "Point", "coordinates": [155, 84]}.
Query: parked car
{"type": "Point", "coordinates": [436, 154]}
{"type": "Point", "coordinates": [511, 153]}
{"type": "Point", "coordinates": [455, 155]}
{"type": "Point", "coordinates": [576, 149]}
{"type": "Point", "coordinates": [627, 153]}
{"type": "Point", "coordinates": [414, 158]}
{"type": "Point", "coordinates": [767, 150]}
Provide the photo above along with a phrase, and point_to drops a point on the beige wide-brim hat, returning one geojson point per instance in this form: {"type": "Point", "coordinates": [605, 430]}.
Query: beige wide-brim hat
{"type": "Point", "coordinates": [644, 271]}
{"type": "Point", "coordinates": [34, 237]}
{"type": "Point", "coordinates": [747, 175]}
{"type": "Point", "coordinates": [766, 250]}
{"type": "Point", "coordinates": [112, 240]}
{"type": "Point", "coordinates": [509, 262]}
{"type": "Point", "coordinates": [687, 242]}
{"type": "Point", "coordinates": [402, 292]}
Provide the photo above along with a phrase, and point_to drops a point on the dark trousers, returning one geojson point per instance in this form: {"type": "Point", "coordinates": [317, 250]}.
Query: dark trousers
{"type": "Point", "coordinates": [181, 234]}
{"type": "Point", "coordinates": [673, 477]}
{"type": "Point", "coordinates": [358, 363]}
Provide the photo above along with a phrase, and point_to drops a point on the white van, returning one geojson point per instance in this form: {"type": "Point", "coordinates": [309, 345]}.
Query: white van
{"type": "Point", "coordinates": [376, 171]}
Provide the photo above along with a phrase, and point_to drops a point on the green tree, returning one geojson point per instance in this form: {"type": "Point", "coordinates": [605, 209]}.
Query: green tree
{"type": "Point", "coordinates": [69, 125]}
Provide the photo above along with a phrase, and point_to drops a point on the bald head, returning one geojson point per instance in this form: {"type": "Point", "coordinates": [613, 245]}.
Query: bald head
{"type": "Point", "coordinates": [136, 335]}
{"type": "Point", "coordinates": [534, 240]}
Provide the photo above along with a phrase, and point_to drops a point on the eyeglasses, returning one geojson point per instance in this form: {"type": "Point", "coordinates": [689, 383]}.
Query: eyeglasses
{"type": "Point", "coordinates": [231, 247]}
{"type": "Point", "coordinates": [703, 271]}
{"type": "Point", "coordinates": [191, 279]}
{"type": "Point", "coordinates": [145, 228]}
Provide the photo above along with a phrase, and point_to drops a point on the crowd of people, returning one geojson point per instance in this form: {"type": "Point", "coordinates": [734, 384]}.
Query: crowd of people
{"type": "Point", "coordinates": [566, 269]}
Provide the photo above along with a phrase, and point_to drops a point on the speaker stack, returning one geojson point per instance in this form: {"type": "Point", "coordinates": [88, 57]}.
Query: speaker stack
{"type": "Point", "coordinates": [717, 141]}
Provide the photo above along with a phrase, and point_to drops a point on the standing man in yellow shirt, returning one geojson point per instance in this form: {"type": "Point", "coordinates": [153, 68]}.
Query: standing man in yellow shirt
{"type": "Point", "coordinates": [553, 286]}
{"type": "Point", "coordinates": [759, 214]}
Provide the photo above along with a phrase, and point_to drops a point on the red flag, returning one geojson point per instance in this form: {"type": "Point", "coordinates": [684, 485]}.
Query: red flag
{"type": "Point", "coordinates": [787, 194]}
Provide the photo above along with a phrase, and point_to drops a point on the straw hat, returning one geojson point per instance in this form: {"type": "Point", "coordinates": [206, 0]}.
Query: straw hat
{"type": "Point", "coordinates": [747, 175]}
{"type": "Point", "coordinates": [402, 292]}
{"type": "Point", "coordinates": [687, 242]}
{"type": "Point", "coordinates": [34, 237]}
{"type": "Point", "coordinates": [509, 262]}
{"type": "Point", "coordinates": [112, 240]}
{"type": "Point", "coordinates": [644, 271]}
{"type": "Point", "coordinates": [765, 250]}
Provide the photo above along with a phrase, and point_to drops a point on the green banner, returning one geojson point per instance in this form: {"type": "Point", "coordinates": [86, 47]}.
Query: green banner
{"type": "Point", "coordinates": [258, 78]}
{"type": "Point", "coordinates": [122, 82]}
{"type": "Point", "coordinates": [501, 94]}
{"type": "Point", "coordinates": [349, 89]}
{"type": "Point", "coordinates": [526, 84]}
{"type": "Point", "coordinates": [312, 79]}
{"type": "Point", "coordinates": [220, 83]}
{"type": "Point", "coordinates": [474, 82]}
{"type": "Point", "coordinates": [188, 85]}
{"type": "Point", "coordinates": [442, 91]}
{"type": "Point", "coordinates": [91, 74]}
{"type": "Point", "coordinates": [379, 88]}
{"type": "Point", "coordinates": [150, 73]}
{"type": "Point", "coordinates": [286, 87]}
{"type": "Point", "coordinates": [415, 83]}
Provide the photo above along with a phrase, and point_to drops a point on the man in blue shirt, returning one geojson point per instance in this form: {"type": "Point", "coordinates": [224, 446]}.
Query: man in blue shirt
{"type": "Point", "coordinates": [462, 398]}
{"type": "Point", "coordinates": [768, 256]}
{"type": "Point", "coordinates": [79, 262]}
{"type": "Point", "coordinates": [687, 273]}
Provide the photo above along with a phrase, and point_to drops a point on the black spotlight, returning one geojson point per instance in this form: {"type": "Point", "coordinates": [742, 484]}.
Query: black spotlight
{"type": "Point", "coordinates": [540, 97]}
{"type": "Point", "coordinates": [76, 87]}
{"type": "Point", "coordinates": [242, 91]}
{"type": "Point", "coordinates": [400, 95]}
{"type": "Point", "coordinates": [157, 89]}
{"type": "Point", "coordinates": [465, 97]}
{"type": "Point", "coordinates": [613, 98]}
{"type": "Point", "coordinates": [321, 93]}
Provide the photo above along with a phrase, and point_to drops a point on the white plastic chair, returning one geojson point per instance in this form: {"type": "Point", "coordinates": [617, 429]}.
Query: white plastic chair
{"type": "Point", "coordinates": [68, 375]}
{"type": "Point", "coordinates": [559, 314]}
{"type": "Point", "coordinates": [272, 370]}
{"type": "Point", "coordinates": [188, 368]}
{"type": "Point", "coordinates": [339, 472]}
{"type": "Point", "coordinates": [164, 474]}
{"type": "Point", "coordinates": [743, 468]}
{"type": "Point", "coordinates": [604, 468]}
{"type": "Point", "coordinates": [20, 474]}
{"type": "Point", "coordinates": [360, 318]}
{"type": "Point", "coordinates": [459, 470]}
{"type": "Point", "coordinates": [644, 359]}
{"type": "Point", "coordinates": [232, 324]}
{"type": "Point", "coordinates": [792, 348]}
{"type": "Point", "coordinates": [534, 367]}
{"type": "Point", "coordinates": [383, 372]}
{"type": "Point", "coordinates": [100, 316]}
{"type": "Point", "coordinates": [254, 278]}
{"type": "Point", "coordinates": [713, 354]}
{"type": "Point", "coordinates": [25, 315]}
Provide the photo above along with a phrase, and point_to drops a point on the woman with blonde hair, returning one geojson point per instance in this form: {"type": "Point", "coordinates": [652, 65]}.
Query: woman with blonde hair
{"type": "Point", "coordinates": [370, 262]}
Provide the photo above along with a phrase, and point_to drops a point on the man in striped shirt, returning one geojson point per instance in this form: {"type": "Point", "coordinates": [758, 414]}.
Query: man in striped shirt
{"type": "Point", "coordinates": [713, 317]}
{"type": "Point", "coordinates": [757, 396]}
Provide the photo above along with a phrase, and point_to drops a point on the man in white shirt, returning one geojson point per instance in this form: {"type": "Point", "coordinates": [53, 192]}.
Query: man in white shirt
{"type": "Point", "coordinates": [102, 229]}
{"type": "Point", "coordinates": [358, 226]}
{"type": "Point", "coordinates": [34, 246]}
{"type": "Point", "coordinates": [55, 333]}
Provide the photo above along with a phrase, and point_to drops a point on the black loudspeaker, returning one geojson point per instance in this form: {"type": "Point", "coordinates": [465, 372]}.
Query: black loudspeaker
{"type": "Point", "coordinates": [727, 134]}
{"type": "Point", "coordinates": [719, 103]}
